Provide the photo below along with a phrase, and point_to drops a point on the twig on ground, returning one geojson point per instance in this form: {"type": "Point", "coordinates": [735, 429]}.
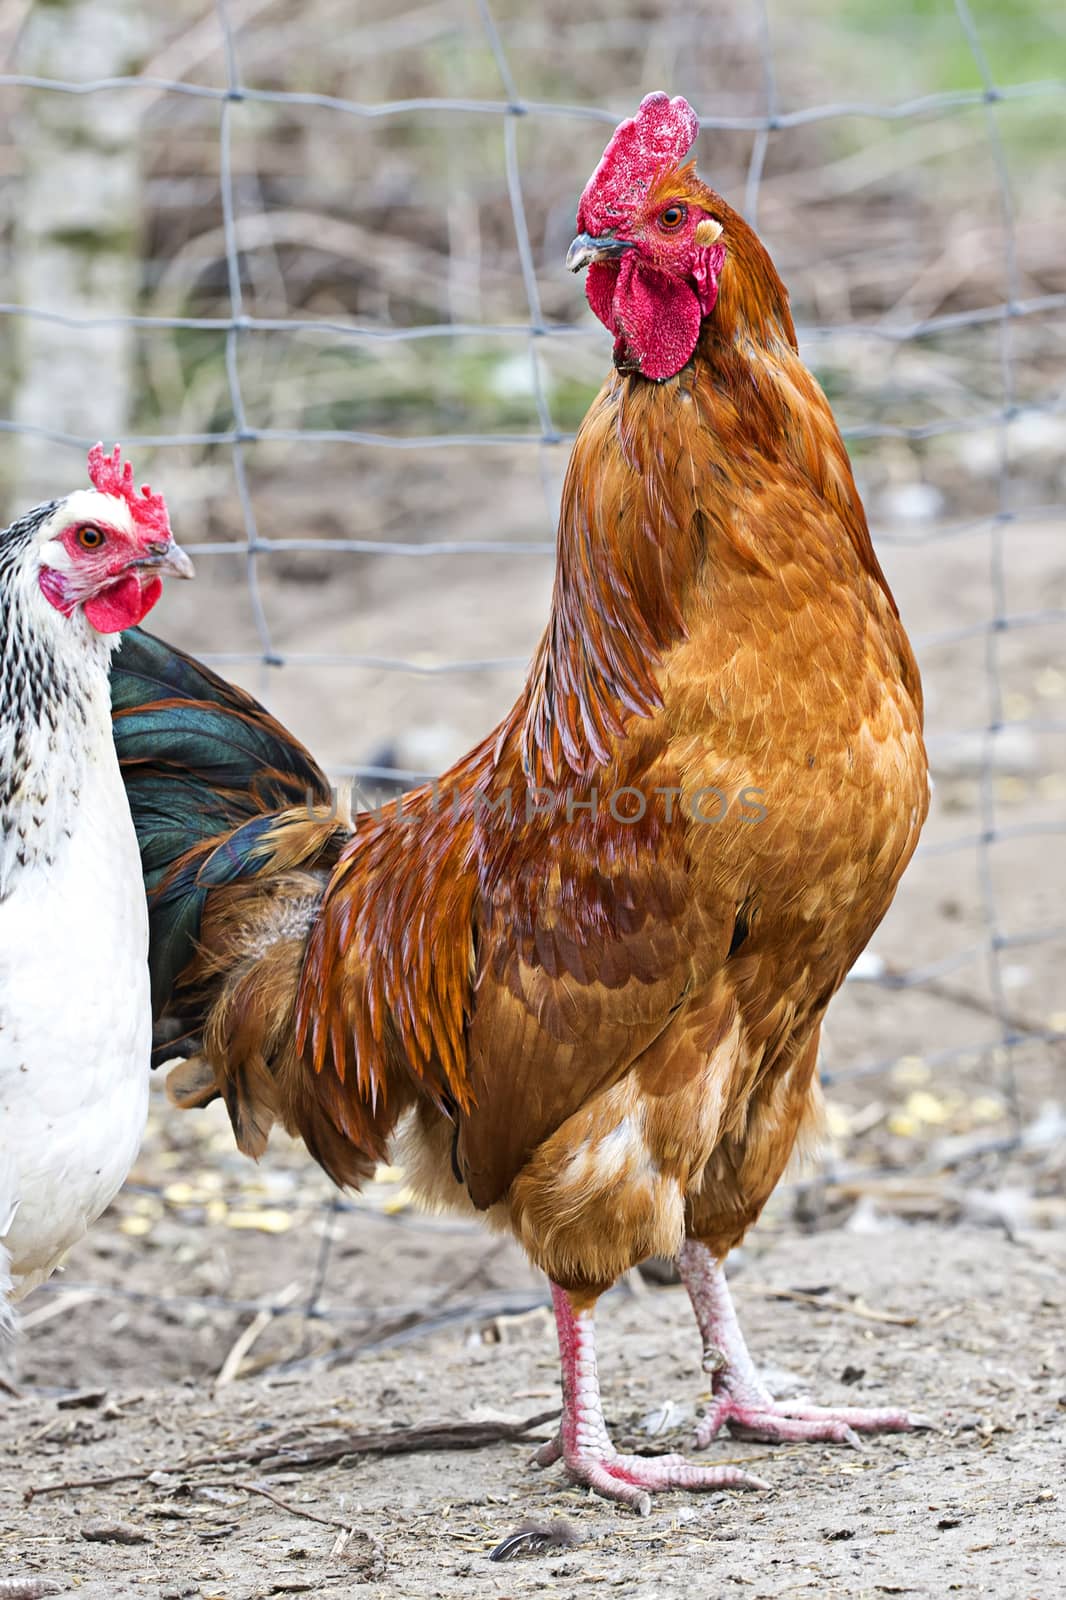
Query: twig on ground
{"type": "Point", "coordinates": [231, 1367]}
{"type": "Point", "coordinates": [284, 1505]}
{"type": "Point", "coordinates": [281, 1453]}
{"type": "Point", "coordinates": [855, 1308]}
{"type": "Point", "coordinates": [57, 1307]}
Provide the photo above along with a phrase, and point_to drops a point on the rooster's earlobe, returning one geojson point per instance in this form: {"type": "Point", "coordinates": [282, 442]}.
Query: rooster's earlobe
{"type": "Point", "coordinates": [708, 232]}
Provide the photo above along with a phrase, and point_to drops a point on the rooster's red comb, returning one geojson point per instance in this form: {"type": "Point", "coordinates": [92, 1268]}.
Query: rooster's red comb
{"type": "Point", "coordinates": [660, 135]}
{"type": "Point", "coordinates": [110, 475]}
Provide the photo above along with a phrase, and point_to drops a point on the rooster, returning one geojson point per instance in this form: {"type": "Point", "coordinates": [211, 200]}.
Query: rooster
{"type": "Point", "coordinates": [582, 978]}
{"type": "Point", "coordinates": [75, 1013]}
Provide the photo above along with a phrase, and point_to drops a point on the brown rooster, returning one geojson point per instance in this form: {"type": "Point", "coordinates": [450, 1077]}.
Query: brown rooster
{"type": "Point", "coordinates": [587, 969]}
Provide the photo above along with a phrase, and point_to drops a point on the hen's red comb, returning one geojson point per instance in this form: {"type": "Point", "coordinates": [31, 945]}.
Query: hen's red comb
{"type": "Point", "coordinates": [110, 475]}
{"type": "Point", "coordinates": [660, 135]}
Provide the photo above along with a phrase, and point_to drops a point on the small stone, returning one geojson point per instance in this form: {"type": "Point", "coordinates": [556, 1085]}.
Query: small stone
{"type": "Point", "coordinates": [113, 1533]}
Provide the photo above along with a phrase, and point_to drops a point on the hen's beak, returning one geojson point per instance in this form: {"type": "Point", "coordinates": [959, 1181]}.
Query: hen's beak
{"type": "Point", "coordinates": [166, 560]}
{"type": "Point", "coordinates": [585, 250]}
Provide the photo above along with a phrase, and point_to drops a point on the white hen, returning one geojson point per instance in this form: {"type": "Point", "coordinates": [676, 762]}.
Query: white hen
{"type": "Point", "coordinates": [75, 1011]}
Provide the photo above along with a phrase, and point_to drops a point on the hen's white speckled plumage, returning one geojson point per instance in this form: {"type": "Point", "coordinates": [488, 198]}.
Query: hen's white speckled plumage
{"type": "Point", "coordinates": [75, 1026]}
{"type": "Point", "coordinates": [75, 1008]}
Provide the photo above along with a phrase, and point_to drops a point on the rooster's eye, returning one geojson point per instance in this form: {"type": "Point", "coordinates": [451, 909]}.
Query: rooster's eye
{"type": "Point", "coordinates": [90, 538]}
{"type": "Point", "coordinates": [673, 217]}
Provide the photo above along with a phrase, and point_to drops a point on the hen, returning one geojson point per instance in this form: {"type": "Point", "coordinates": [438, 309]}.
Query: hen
{"type": "Point", "coordinates": [75, 1014]}
{"type": "Point", "coordinates": [588, 969]}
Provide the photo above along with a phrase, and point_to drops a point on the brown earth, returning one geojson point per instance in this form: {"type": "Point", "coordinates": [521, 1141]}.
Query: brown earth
{"type": "Point", "coordinates": [963, 1324]}
{"type": "Point", "coordinates": [420, 1320]}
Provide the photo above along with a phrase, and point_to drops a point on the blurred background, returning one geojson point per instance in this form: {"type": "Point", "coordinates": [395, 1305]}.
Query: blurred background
{"type": "Point", "coordinates": [306, 263]}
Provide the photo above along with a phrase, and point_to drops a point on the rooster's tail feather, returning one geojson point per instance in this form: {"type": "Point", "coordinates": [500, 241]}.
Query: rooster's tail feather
{"type": "Point", "coordinates": [238, 838]}
{"type": "Point", "coordinates": [206, 772]}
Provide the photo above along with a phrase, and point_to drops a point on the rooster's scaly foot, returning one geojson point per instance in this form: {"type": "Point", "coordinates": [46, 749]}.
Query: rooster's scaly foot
{"type": "Point", "coordinates": [741, 1400]}
{"type": "Point", "coordinates": [583, 1445]}
{"type": "Point", "coordinates": [633, 1480]}
{"type": "Point", "coordinates": [759, 1416]}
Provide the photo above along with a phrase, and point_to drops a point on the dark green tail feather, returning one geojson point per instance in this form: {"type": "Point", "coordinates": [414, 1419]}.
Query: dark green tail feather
{"type": "Point", "coordinates": [200, 758]}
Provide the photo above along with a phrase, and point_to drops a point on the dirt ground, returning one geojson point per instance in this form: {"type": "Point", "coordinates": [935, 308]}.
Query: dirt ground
{"type": "Point", "coordinates": [222, 1309]}
{"type": "Point", "coordinates": [964, 1325]}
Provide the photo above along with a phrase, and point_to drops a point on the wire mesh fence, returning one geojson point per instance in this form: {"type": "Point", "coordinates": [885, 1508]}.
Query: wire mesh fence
{"type": "Point", "coordinates": [252, 377]}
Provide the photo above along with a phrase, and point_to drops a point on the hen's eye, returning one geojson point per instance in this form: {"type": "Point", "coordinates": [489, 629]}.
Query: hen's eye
{"type": "Point", "coordinates": [673, 217]}
{"type": "Point", "coordinates": [90, 538]}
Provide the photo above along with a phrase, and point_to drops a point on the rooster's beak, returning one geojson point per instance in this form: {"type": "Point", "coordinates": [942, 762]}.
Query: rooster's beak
{"type": "Point", "coordinates": [585, 250]}
{"type": "Point", "coordinates": [167, 560]}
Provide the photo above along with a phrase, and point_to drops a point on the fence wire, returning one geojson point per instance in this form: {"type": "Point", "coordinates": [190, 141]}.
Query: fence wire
{"type": "Point", "coordinates": [1012, 1032]}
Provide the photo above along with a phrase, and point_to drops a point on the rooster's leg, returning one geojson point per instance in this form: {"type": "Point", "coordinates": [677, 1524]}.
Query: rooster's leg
{"type": "Point", "coordinates": [582, 1441]}
{"type": "Point", "coordinates": [740, 1398]}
